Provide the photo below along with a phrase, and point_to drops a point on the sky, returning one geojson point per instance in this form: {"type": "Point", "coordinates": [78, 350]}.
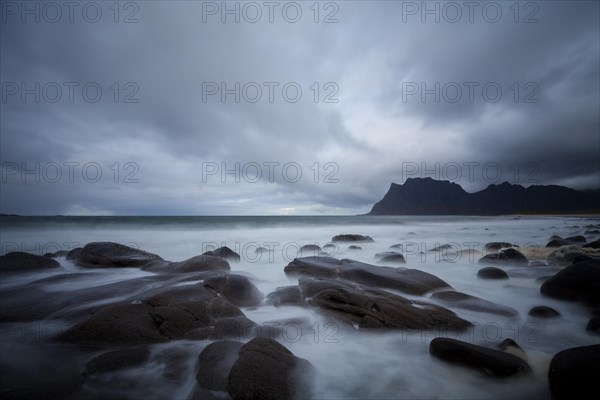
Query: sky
{"type": "Point", "coordinates": [279, 108]}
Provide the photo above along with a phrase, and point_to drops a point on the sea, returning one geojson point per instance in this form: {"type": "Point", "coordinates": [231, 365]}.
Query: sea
{"type": "Point", "coordinates": [350, 364]}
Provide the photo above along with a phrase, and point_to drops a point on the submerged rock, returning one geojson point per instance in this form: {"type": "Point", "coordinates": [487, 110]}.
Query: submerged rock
{"type": "Point", "coordinates": [507, 256]}
{"type": "Point", "coordinates": [468, 302]}
{"type": "Point", "coordinates": [543, 312]}
{"type": "Point", "coordinates": [352, 238]}
{"type": "Point", "coordinates": [489, 361]}
{"type": "Point", "coordinates": [579, 282]}
{"type": "Point", "coordinates": [391, 257]}
{"type": "Point", "coordinates": [593, 245]}
{"type": "Point", "coordinates": [24, 262]}
{"type": "Point", "coordinates": [365, 307]}
{"type": "Point", "coordinates": [223, 252]}
{"type": "Point", "coordinates": [573, 373]}
{"type": "Point", "coordinates": [565, 255]}
{"type": "Point", "coordinates": [200, 263]}
{"type": "Point", "coordinates": [116, 360]}
{"type": "Point", "coordinates": [495, 246]}
{"type": "Point", "coordinates": [492, 273]}
{"type": "Point", "coordinates": [267, 370]}
{"type": "Point", "coordinates": [111, 255]}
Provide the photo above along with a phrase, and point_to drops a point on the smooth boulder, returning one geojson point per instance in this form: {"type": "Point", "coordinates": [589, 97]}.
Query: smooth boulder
{"type": "Point", "coordinates": [267, 370]}
{"type": "Point", "coordinates": [492, 273]}
{"type": "Point", "coordinates": [573, 373]}
{"type": "Point", "coordinates": [223, 252]}
{"type": "Point", "coordinates": [491, 362]}
{"type": "Point", "coordinates": [579, 282]}
{"type": "Point", "coordinates": [508, 256]}
{"type": "Point", "coordinates": [215, 362]}
{"type": "Point", "coordinates": [543, 312]}
{"type": "Point", "coordinates": [111, 255]}
{"type": "Point", "coordinates": [236, 288]}
{"type": "Point", "coordinates": [25, 262]}
{"type": "Point", "coordinates": [352, 238]}
{"type": "Point", "coordinates": [467, 302]}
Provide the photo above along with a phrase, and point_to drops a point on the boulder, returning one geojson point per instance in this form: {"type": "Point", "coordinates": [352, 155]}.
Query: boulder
{"type": "Point", "coordinates": [579, 282]}
{"type": "Point", "coordinates": [354, 247]}
{"type": "Point", "coordinates": [508, 256]}
{"type": "Point", "coordinates": [267, 370]}
{"type": "Point", "coordinates": [441, 247]}
{"type": "Point", "coordinates": [543, 312]}
{"type": "Point", "coordinates": [236, 288]}
{"type": "Point", "coordinates": [492, 273]}
{"type": "Point", "coordinates": [223, 252]}
{"type": "Point", "coordinates": [111, 255]}
{"type": "Point", "coordinates": [511, 347]}
{"type": "Point", "coordinates": [363, 307]}
{"type": "Point", "coordinates": [215, 362]}
{"type": "Point", "coordinates": [391, 257]}
{"type": "Point", "coordinates": [491, 362]}
{"type": "Point", "coordinates": [351, 238]}
{"type": "Point", "coordinates": [467, 302]}
{"type": "Point", "coordinates": [322, 267]}
{"type": "Point", "coordinates": [558, 243]}
{"type": "Point", "coordinates": [200, 263]}
{"type": "Point", "coordinates": [576, 239]}
{"type": "Point", "coordinates": [593, 245]}
{"type": "Point", "coordinates": [24, 262]}
{"type": "Point", "coordinates": [289, 295]}
{"type": "Point", "coordinates": [573, 373]}
{"type": "Point", "coordinates": [310, 248]}
{"type": "Point", "coordinates": [593, 325]}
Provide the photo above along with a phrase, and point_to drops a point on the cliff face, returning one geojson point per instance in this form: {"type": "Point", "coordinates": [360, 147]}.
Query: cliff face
{"type": "Point", "coordinates": [425, 196]}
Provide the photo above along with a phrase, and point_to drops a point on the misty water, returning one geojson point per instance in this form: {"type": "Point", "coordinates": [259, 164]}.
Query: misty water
{"type": "Point", "coordinates": [350, 364]}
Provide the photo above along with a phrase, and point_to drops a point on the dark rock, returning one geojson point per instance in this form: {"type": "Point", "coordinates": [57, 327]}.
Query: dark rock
{"type": "Point", "coordinates": [390, 256]}
{"type": "Point", "coordinates": [508, 256]}
{"type": "Point", "coordinates": [289, 295]}
{"type": "Point", "coordinates": [60, 253]}
{"type": "Point", "coordinates": [495, 246]}
{"type": "Point", "coordinates": [195, 264]}
{"type": "Point", "coordinates": [543, 312]}
{"type": "Point", "coordinates": [236, 288]}
{"type": "Point", "coordinates": [492, 273]}
{"type": "Point", "coordinates": [223, 252]}
{"type": "Point", "coordinates": [215, 362]}
{"type": "Point", "coordinates": [267, 370]}
{"type": "Point", "coordinates": [592, 232]}
{"type": "Point", "coordinates": [116, 360]}
{"type": "Point", "coordinates": [363, 307]}
{"type": "Point", "coordinates": [576, 239]}
{"type": "Point", "coordinates": [593, 245]}
{"type": "Point", "coordinates": [25, 262]}
{"type": "Point", "coordinates": [468, 302]}
{"type": "Point", "coordinates": [411, 281]}
{"type": "Point", "coordinates": [111, 255]}
{"type": "Point", "coordinates": [593, 325]}
{"type": "Point", "coordinates": [489, 361]}
{"type": "Point", "coordinates": [351, 238]}
{"type": "Point", "coordinates": [557, 243]}
{"type": "Point", "coordinates": [396, 246]}
{"type": "Point", "coordinates": [579, 282]}
{"type": "Point", "coordinates": [538, 263]}
{"type": "Point", "coordinates": [310, 248]}
{"type": "Point", "coordinates": [573, 373]}
{"type": "Point", "coordinates": [329, 246]}
{"type": "Point", "coordinates": [119, 323]}
{"type": "Point", "coordinates": [442, 247]}
{"type": "Point", "coordinates": [353, 247]}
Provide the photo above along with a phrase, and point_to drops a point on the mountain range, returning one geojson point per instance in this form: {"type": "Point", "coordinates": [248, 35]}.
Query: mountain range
{"type": "Point", "coordinates": [426, 196]}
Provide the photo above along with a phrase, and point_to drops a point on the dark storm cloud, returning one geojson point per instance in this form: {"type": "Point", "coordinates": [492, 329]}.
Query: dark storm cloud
{"type": "Point", "coordinates": [162, 143]}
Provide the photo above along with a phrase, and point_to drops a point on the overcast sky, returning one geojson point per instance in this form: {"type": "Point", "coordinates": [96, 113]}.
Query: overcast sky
{"type": "Point", "coordinates": [484, 95]}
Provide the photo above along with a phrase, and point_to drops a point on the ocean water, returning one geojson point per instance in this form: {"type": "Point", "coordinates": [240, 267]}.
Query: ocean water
{"type": "Point", "coordinates": [350, 364]}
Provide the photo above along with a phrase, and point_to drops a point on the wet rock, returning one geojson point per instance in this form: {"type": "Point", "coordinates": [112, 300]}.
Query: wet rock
{"type": "Point", "coordinates": [60, 253]}
{"type": "Point", "coordinates": [364, 307]}
{"type": "Point", "coordinates": [573, 373]}
{"type": "Point", "coordinates": [396, 246]}
{"type": "Point", "coordinates": [223, 252]}
{"type": "Point", "coordinates": [442, 247]}
{"type": "Point", "coordinates": [116, 360]}
{"type": "Point", "coordinates": [289, 295]}
{"type": "Point", "coordinates": [111, 255]}
{"type": "Point", "coordinates": [593, 325]}
{"type": "Point", "coordinates": [200, 263]}
{"type": "Point", "coordinates": [543, 312]}
{"type": "Point", "coordinates": [564, 255]}
{"type": "Point", "coordinates": [576, 239]}
{"type": "Point", "coordinates": [508, 256]}
{"type": "Point", "coordinates": [310, 248]}
{"type": "Point", "coordinates": [593, 245]}
{"type": "Point", "coordinates": [468, 302]}
{"type": "Point", "coordinates": [411, 281]}
{"type": "Point", "coordinates": [495, 246]}
{"type": "Point", "coordinates": [329, 246]}
{"type": "Point", "coordinates": [558, 243]}
{"type": "Point", "coordinates": [353, 247]}
{"type": "Point", "coordinates": [489, 361]}
{"type": "Point", "coordinates": [351, 238]}
{"type": "Point", "coordinates": [24, 262]}
{"type": "Point", "coordinates": [579, 282]}
{"type": "Point", "coordinates": [492, 273]}
{"type": "Point", "coordinates": [267, 370]}
{"type": "Point", "coordinates": [390, 257]}
{"type": "Point", "coordinates": [119, 323]}
{"type": "Point", "coordinates": [592, 232]}
{"type": "Point", "coordinates": [236, 288]}
{"type": "Point", "coordinates": [215, 362]}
